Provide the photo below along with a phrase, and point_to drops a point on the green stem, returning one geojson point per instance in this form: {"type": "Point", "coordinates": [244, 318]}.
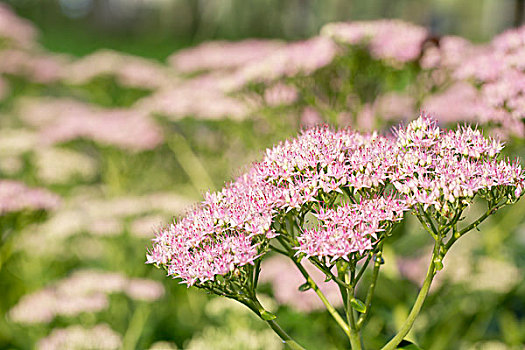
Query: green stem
{"type": "Point", "coordinates": [425, 225]}
{"type": "Point", "coordinates": [136, 325]}
{"type": "Point", "coordinates": [287, 340]}
{"type": "Point", "coordinates": [333, 312]}
{"type": "Point", "coordinates": [256, 307]}
{"type": "Point", "coordinates": [416, 308]}
{"type": "Point", "coordinates": [371, 289]}
{"type": "Point", "coordinates": [482, 218]}
{"type": "Point", "coordinates": [327, 272]}
{"type": "Point", "coordinates": [429, 220]}
{"type": "Point", "coordinates": [355, 339]}
{"type": "Point", "coordinates": [363, 268]}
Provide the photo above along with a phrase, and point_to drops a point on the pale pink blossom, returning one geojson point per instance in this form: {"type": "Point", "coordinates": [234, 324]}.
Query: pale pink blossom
{"type": "Point", "coordinates": [17, 31]}
{"type": "Point", "coordinates": [123, 128]}
{"type": "Point", "coordinates": [394, 41]}
{"type": "Point", "coordinates": [459, 102]}
{"type": "Point", "coordinates": [100, 337]}
{"type": "Point", "coordinates": [128, 70]}
{"type": "Point", "coordinates": [81, 292]}
{"type": "Point", "coordinates": [36, 66]}
{"type": "Point", "coordinates": [310, 117]}
{"type": "Point", "coordinates": [394, 106]}
{"type": "Point", "coordinates": [280, 94]}
{"type": "Point", "coordinates": [15, 196]}
{"type": "Point", "coordinates": [194, 101]}
{"type": "Point", "coordinates": [296, 58]}
{"type": "Point", "coordinates": [218, 55]}
{"type": "Point", "coordinates": [144, 289]}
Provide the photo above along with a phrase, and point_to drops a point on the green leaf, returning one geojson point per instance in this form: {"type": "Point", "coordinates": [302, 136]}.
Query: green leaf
{"type": "Point", "coordinates": [304, 287]}
{"type": "Point", "coordinates": [267, 315]}
{"type": "Point", "coordinates": [358, 305]}
{"type": "Point", "coordinates": [407, 345]}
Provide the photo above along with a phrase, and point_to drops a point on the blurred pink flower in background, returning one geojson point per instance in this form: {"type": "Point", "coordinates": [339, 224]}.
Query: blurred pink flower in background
{"type": "Point", "coordinates": [460, 102]}
{"type": "Point", "coordinates": [38, 112]}
{"type": "Point", "coordinates": [310, 117]}
{"type": "Point", "coordinates": [391, 40]}
{"type": "Point", "coordinates": [15, 196]}
{"type": "Point", "coordinates": [394, 106]}
{"type": "Point", "coordinates": [285, 279]}
{"type": "Point", "coordinates": [40, 67]}
{"type": "Point", "coordinates": [144, 289]}
{"type": "Point", "coordinates": [216, 55]}
{"type": "Point", "coordinates": [43, 306]}
{"type": "Point", "coordinates": [100, 337]}
{"type": "Point", "coordinates": [130, 71]}
{"type": "Point", "coordinates": [280, 94]}
{"type": "Point", "coordinates": [191, 101]}
{"type": "Point", "coordinates": [144, 227]}
{"type": "Point", "coordinates": [124, 128]}
{"type": "Point", "coordinates": [366, 118]}
{"type": "Point", "coordinates": [452, 50]}
{"type": "Point", "coordinates": [16, 30]}
{"type": "Point", "coordinates": [100, 217]}
{"type": "Point", "coordinates": [483, 83]}
{"type": "Point", "coordinates": [295, 58]}
{"type": "Point", "coordinates": [64, 119]}
{"type": "Point", "coordinates": [83, 291]}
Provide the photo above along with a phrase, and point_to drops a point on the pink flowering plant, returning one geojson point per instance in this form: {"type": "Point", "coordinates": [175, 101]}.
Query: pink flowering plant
{"type": "Point", "coordinates": [334, 198]}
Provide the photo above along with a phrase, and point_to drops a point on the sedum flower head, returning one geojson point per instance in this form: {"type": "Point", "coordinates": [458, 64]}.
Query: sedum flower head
{"type": "Point", "coordinates": [333, 194]}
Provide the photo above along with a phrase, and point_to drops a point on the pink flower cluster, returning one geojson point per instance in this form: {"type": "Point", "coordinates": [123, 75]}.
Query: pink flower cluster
{"type": "Point", "coordinates": [391, 40]}
{"type": "Point", "coordinates": [350, 227]}
{"type": "Point", "coordinates": [442, 169]}
{"type": "Point", "coordinates": [425, 165]}
{"type": "Point", "coordinates": [15, 196]}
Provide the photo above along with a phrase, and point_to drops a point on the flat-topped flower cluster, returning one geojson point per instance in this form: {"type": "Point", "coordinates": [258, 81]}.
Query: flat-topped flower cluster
{"type": "Point", "coordinates": [355, 186]}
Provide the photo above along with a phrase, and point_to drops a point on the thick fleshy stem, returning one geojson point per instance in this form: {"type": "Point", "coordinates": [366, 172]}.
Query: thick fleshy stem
{"type": "Point", "coordinates": [418, 304]}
